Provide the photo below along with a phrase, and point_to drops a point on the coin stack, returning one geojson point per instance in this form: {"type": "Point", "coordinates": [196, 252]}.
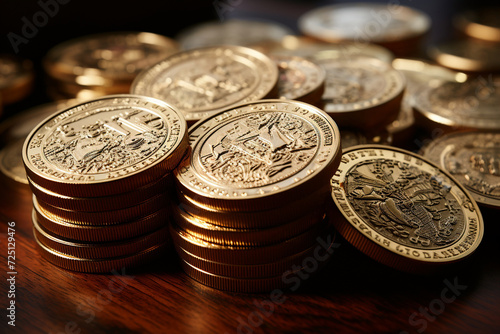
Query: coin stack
{"type": "Point", "coordinates": [201, 82]}
{"type": "Point", "coordinates": [100, 173]}
{"type": "Point", "coordinates": [16, 79]}
{"type": "Point", "coordinates": [252, 194]}
{"type": "Point", "coordinates": [96, 65]}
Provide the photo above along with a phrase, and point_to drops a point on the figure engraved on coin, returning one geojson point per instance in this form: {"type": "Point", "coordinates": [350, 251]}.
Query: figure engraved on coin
{"type": "Point", "coordinates": [122, 138]}
{"type": "Point", "coordinates": [192, 89]}
{"type": "Point", "coordinates": [404, 204]}
{"type": "Point", "coordinates": [259, 150]}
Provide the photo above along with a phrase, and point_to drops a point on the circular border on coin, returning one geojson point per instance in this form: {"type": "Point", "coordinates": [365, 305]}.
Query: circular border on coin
{"type": "Point", "coordinates": [265, 70]}
{"type": "Point", "coordinates": [148, 168]}
{"type": "Point", "coordinates": [388, 243]}
{"type": "Point", "coordinates": [193, 179]}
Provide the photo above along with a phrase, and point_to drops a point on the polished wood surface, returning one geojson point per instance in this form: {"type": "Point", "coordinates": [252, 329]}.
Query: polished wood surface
{"type": "Point", "coordinates": [352, 294]}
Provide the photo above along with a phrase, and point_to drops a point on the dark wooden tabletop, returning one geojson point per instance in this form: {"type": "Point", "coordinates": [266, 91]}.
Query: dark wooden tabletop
{"type": "Point", "coordinates": [352, 294]}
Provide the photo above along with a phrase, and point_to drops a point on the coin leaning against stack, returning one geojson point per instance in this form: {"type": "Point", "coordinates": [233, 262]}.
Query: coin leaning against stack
{"type": "Point", "coordinates": [100, 173]}
{"type": "Point", "coordinates": [252, 193]}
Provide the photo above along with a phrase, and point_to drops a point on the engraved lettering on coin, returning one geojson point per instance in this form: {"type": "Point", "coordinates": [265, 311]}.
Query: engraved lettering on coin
{"type": "Point", "coordinates": [114, 139]}
{"type": "Point", "coordinates": [405, 204]}
{"type": "Point", "coordinates": [259, 149]}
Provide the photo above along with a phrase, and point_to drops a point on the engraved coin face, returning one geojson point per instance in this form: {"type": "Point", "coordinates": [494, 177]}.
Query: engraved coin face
{"type": "Point", "coordinates": [101, 140]}
{"type": "Point", "coordinates": [395, 200]}
{"type": "Point", "coordinates": [474, 159]}
{"type": "Point", "coordinates": [231, 32]}
{"type": "Point", "coordinates": [472, 104]}
{"type": "Point", "coordinates": [366, 22]}
{"type": "Point", "coordinates": [117, 56]}
{"type": "Point", "coordinates": [201, 82]}
{"type": "Point", "coordinates": [259, 149]}
{"type": "Point", "coordinates": [359, 83]}
{"type": "Point", "coordinates": [299, 78]}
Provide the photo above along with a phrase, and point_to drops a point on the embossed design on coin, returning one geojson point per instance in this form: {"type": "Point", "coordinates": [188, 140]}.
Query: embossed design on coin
{"type": "Point", "coordinates": [404, 204]}
{"type": "Point", "coordinates": [259, 150]}
{"type": "Point", "coordinates": [201, 82]}
{"type": "Point", "coordinates": [110, 138]}
{"type": "Point", "coordinates": [115, 139]}
{"type": "Point", "coordinates": [472, 157]}
{"type": "Point", "coordinates": [402, 210]}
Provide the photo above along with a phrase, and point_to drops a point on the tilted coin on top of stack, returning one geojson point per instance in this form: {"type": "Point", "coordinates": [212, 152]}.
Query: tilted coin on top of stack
{"type": "Point", "coordinates": [402, 210]}
{"type": "Point", "coordinates": [100, 172]}
{"type": "Point", "coordinates": [399, 28]}
{"type": "Point", "coordinates": [472, 104]}
{"type": "Point", "coordinates": [252, 193]}
{"type": "Point", "coordinates": [473, 157]}
{"type": "Point", "coordinates": [92, 66]}
{"type": "Point", "coordinates": [203, 81]}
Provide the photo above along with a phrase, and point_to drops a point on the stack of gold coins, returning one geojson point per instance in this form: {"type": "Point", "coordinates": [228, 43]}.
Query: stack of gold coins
{"type": "Point", "coordinates": [404, 211]}
{"type": "Point", "coordinates": [399, 28]}
{"type": "Point", "coordinates": [201, 82]}
{"type": "Point", "coordinates": [252, 194]}
{"type": "Point", "coordinates": [100, 173]}
{"type": "Point", "coordinates": [92, 66]}
{"type": "Point", "coordinates": [480, 24]}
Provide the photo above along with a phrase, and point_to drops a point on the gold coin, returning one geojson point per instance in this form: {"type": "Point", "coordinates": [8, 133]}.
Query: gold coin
{"type": "Point", "coordinates": [243, 255]}
{"type": "Point", "coordinates": [107, 59]}
{"type": "Point", "coordinates": [402, 210]}
{"type": "Point", "coordinates": [259, 155]}
{"type": "Point", "coordinates": [313, 203]}
{"type": "Point", "coordinates": [102, 250]}
{"type": "Point", "coordinates": [11, 161]}
{"type": "Point", "coordinates": [103, 203]}
{"type": "Point", "coordinates": [318, 51]}
{"type": "Point", "coordinates": [417, 74]}
{"type": "Point", "coordinates": [258, 270]}
{"type": "Point", "coordinates": [16, 78]}
{"type": "Point", "coordinates": [467, 55]}
{"type": "Point", "coordinates": [362, 92]}
{"type": "Point", "coordinates": [113, 217]}
{"type": "Point", "coordinates": [101, 265]}
{"type": "Point", "coordinates": [481, 24]}
{"type": "Point", "coordinates": [399, 28]}
{"type": "Point", "coordinates": [300, 79]}
{"type": "Point", "coordinates": [202, 82]}
{"type": "Point", "coordinates": [231, 32]}
{"type": "Point", "coordinates": [101, 232]}
{"type": "Point", "coordinates": [473, 158]}
{"type": "Point", "coordinates": [252, 285]}
{"type": "Point", "coordinates": [244, 237]}
{"type": "Point", "coordinates": [472, 104]}
{"type": "Point", "coordinates": [106, 146]}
